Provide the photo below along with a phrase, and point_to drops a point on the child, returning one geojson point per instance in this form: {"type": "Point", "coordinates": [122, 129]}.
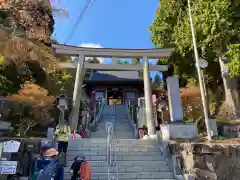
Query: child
{"type": "Point", "coordinates": [80, 169]}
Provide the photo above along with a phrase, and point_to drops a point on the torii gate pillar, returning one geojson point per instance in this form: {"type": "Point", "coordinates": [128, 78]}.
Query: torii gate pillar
{"type": "Point", "coordinates": [148, 98]}
{"type": "Point", "coordinates": [77, 92]}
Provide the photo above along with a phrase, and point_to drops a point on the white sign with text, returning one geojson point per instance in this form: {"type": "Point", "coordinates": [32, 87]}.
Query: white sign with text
{"type": "Point", "coordinates": [8, 167]}
{"type": "Point", "coordinates": [11, 146]}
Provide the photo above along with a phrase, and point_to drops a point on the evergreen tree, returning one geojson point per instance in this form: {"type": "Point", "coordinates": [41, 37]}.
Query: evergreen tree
{"type": "Point", "coordinates": [136, 61]}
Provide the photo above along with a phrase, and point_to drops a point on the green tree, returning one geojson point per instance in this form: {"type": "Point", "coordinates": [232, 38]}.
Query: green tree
{"type": "Point", "coordinates": [136, 61]}
{"type": "Point", "coordinates": [157, 79]}
{"type": "Point", "coordinates": [216, 25]}
{"type": "Point", "coordinates": [122, 62]}
{"type": "Point", "coordinates": [234, 60]}
{"type": "Point", "coordinates": [93, 60]}
{"type": "Point", "coordinates": [156, 82]}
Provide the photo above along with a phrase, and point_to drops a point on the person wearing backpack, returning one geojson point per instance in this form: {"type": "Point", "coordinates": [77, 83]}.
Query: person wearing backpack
{"type": "Point", "coordinates": [62, 133]}
{"type": "Point", "coordinates": [33, 168]}
{"type": "Point", "coordinates": [75, 168]}
{"type": "Point", "coordinates": [80, 169]}
{"type": "Point", "coordinates": [47, 166]}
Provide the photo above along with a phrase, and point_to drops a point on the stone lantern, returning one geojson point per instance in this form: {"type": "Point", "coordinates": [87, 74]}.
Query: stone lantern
{"type": "Point", "coordinates": [162, 106]}
{"type": "Point", "coordinates": [62, 106]}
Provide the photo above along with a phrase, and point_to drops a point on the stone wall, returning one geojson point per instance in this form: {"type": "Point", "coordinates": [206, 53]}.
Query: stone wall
{"type": "Point", "coordinates": [208, 161]}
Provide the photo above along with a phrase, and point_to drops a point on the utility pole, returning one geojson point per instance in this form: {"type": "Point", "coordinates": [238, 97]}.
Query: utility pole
{"type": "Point", "coordinates": [204, 102]}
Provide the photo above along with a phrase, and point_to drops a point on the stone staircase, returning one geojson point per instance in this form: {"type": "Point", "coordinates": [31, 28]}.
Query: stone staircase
{"type": "Point", "coordinates": [136, 159]}
{"type": "Point", "coordinates": [123, 129]}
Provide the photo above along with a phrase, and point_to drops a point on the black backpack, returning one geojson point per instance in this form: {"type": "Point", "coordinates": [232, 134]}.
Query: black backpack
{"type": "Point", "coordinates": [75, 167]}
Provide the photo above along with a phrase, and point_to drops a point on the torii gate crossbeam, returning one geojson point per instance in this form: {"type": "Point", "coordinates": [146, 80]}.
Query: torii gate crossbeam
{"type": "Point", "coordinates": [116, 67]}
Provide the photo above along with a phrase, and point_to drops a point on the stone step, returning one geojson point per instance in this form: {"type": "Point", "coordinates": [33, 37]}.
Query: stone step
{"type": "Point", "coordinates": [117, 141]}
{"type": "Point", "coordinates": [125, 128]}
{"type": "Point", "coordinates": [132, 141]}
{"type": "Point", "coordinates": [103, 147]}
{"type": "Point", "coordinates": [104, 153]}
{"type": "Point", "coordinates": [117, 125]}
{"type": "Point", "coordinates": [119, 135]}
{"type": "Point", "coordinates": [117, 149]}
{"type": "Point", "coordinates": [141, 175]}
{"type": "Point", "coordinates": [68, 178]}
{"type": "Point", "coordinates": [116, 146]}
{"type": "Point", "coordinates": [129, 164]}
{"type": "Point", "coordinates": [121, 158]}
{"type": "Point", "coordinates": [122, 126]}
{"type": "Point", "coordinates": [116, 134]}
{"type": "Point", "coordinates": [125, 131]}
{"type": "Point", "coordinates": [138, 169]}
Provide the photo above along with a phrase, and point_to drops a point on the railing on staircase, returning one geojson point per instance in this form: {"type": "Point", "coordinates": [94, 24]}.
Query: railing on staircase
{"type": "Point", "coordinates": [131, 118]}
{"type": "Point", "coordinates": [111, 151]}
{"type": "Point", "coordinates": [97, 115]}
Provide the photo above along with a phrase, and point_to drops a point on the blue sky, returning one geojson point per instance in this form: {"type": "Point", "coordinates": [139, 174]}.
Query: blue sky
{"type": "Point", "coordinates": [108, 23]}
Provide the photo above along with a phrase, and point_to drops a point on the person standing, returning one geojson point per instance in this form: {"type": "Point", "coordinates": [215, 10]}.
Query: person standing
{"type": "Point", "coordinates": [62, 134]}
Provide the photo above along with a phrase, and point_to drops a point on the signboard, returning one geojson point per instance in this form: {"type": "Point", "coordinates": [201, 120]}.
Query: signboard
{"type": "Point", "coordinates": [8, 167]}
{"type": "Point", "coordinates": [11, 146]}
{"type": "Point", "coordinates": [231, 131]}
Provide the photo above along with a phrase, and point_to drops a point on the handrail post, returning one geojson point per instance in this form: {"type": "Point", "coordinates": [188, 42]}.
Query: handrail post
{"type": "Point", "coordinates": [111, 149]}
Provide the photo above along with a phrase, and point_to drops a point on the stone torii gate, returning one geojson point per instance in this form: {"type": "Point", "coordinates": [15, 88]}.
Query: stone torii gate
{"type": "Point", "coordinates": [144, 54]}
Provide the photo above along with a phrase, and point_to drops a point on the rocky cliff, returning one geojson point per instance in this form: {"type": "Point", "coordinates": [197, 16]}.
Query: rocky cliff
{"type": "Point", "coordinates": [32, 18]}
{"type": "Point", "coordinates": [25, 30]}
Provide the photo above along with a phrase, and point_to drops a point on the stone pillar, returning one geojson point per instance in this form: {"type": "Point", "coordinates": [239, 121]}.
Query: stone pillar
{"type": "Point", "coordinates": [77, 92]}
{"type": "Point", "coordinates": [174, 99]}
{"type": "Point", "coordinates": [148, 98]}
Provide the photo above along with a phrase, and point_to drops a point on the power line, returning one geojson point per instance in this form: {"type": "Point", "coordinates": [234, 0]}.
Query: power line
{"type": "Point", "coordinates": [79, 19]}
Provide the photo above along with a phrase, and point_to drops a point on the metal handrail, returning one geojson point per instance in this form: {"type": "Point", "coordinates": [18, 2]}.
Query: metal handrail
{"type": "Point", "coordinates": [111, 151]}
{"type": "Point", "coordinates": [130, 117]}
{"type": "Point", "coordinates": [97, 115]}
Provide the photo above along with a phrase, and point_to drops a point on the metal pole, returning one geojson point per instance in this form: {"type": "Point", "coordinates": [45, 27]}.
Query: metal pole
{"type": "Point", "coordinates": [204, 102]}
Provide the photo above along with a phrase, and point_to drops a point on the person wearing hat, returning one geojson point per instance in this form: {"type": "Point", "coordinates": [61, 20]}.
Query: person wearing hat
{"type": "Point", "coordinates": [47, 165]}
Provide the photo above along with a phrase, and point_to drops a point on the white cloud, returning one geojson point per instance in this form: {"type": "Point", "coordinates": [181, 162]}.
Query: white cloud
{"type": "Point", "coordinates": [91, 45]}
{"type": "Point", "coordinates": [152, 61]}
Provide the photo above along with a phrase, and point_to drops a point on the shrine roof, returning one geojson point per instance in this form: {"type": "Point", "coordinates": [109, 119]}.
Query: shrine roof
{"type": "Point", "coordinates": [115, 76]}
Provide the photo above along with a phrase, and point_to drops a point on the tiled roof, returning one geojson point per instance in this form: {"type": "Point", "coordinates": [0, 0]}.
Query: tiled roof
{"type": "Point", "coordinates": [115, 76]}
